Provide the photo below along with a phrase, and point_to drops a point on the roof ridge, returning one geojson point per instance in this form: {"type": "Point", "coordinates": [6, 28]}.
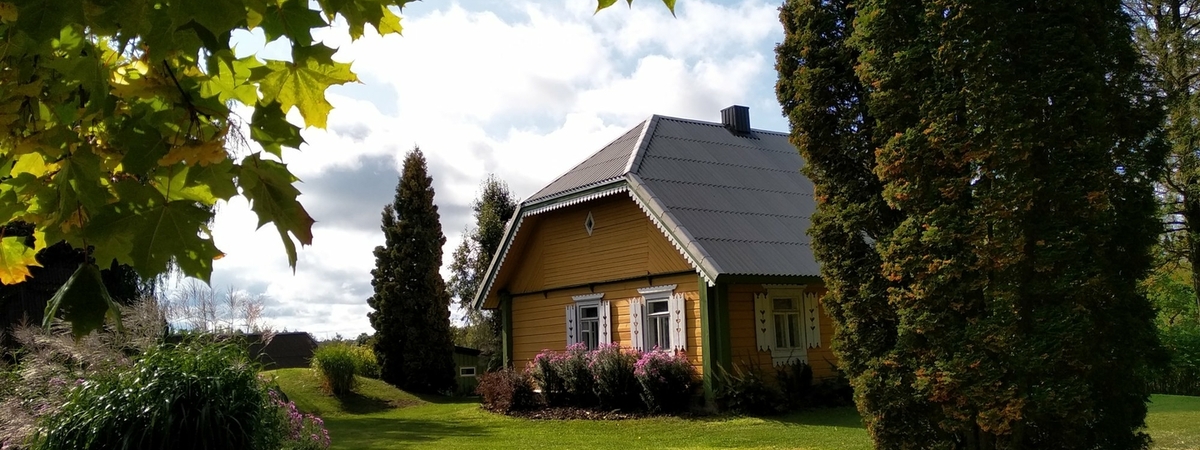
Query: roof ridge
{"type": "Point", "coordinates": [724, 164]}
{"type": "Point", "coordinates": [719, 124]}
{"type": "Point", "coordinates": [585, 160]}
{"type": "Point", "coordinates": [693, 183]}
{"type": "Point", "coordinates": [643, 142]}
{"type": "Point", "coordinates": [736, 213]}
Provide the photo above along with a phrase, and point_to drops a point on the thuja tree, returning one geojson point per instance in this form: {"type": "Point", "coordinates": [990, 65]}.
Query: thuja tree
{"type": "Point", "coordinates": [411, 306]}
{"type": "Point", "coordinates": [471, 259]}
{"type": "Point", "coordinates": [985, 210]}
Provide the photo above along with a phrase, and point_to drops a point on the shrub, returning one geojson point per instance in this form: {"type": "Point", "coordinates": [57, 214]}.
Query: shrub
{"type": "Point", "coordinates": [335, 362]}
{"type": "Point", "coordinates": [746, 391]}
{"type": "Point", "coordinates": [301, 431]}
{"type": "Point", "coordinates": [616, 386]}
{"type": "Point", "coordinates": [194, 395]}
{"type": "Point", "coordinates": [564, 377]}
{"type": "Point", "coordinates": [833, 392]}
{"type": "Point", "coordinates": [795, 381]}
{"type": "Point", "coordinates": [667, 380]}
{"type": "Point", "coordinates": [365, 363]}
{"type": "Point", "coordinates": [506, 390]}
{"type": "Point", "coordinates": [1181, 376]}
{"type": "Point", "coordinates": [545, 371]}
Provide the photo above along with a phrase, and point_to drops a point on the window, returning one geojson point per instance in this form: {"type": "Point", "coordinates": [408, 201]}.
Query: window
{"type": "Point", "coordinates": [588, 321]}
{"type": "Point", "coordinates": [657, 319]}
{"type": "Point", "coordinates": [466, 371]}
{"type": "Point", "coordinates": [658, 324]}
{"type": "Point", "coordinates": [589, 326]}
{"type": "Point", "coordinates": [787, 322]}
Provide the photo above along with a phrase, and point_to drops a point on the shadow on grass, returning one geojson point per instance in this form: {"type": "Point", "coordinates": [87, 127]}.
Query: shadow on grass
{"type": "Point", "coordinates": [363, 432]}
{"type": "Point", "coordinates": [845, 417]}
{"type": "Point", "coordinates": [445, 400]}
{"type": "Point", "coordinates": [355, 403]}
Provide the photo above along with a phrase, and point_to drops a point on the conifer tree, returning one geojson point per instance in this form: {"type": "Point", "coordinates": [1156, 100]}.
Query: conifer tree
{"type": "Point", "coordinates": [492, 210]}
{"type": "Point", "coordinates": [411, 314]}
{"type": "Point", "coordinates": [983, 175]}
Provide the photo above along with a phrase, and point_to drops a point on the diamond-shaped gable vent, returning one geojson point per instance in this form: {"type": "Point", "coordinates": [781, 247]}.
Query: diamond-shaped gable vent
{"type": "Point", "coordinates": [589, 224]}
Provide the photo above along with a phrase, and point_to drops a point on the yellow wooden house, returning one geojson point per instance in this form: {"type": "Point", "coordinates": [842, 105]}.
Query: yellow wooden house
{"type": "Point", "coordinates": [679, 234]}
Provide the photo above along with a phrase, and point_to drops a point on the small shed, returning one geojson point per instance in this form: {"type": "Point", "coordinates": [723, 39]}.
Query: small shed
{"type": "Point", "coordinates": [466, 364]}
{"type": "Point", "coordinates": [282, 350]}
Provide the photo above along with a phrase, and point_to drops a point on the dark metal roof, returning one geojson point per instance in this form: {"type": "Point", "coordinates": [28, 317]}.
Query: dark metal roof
{"type": "Point", "coordinates": [610, 162]}
{"type": "Point", "coordinates": [733, 204]}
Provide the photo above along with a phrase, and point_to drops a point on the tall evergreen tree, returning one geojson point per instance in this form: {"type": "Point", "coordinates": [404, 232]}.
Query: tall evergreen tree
{"type": "Point", "coordinates": [411, 313]}
{"type": "Point", "coordinates": [492, 210]}
{"type": "Point", "coordinates": [1168, 34]}
{"type": "Point", "coordinates": [985, 211]}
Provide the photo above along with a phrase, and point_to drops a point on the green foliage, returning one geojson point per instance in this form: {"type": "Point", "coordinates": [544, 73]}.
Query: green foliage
{"type": "Point", "coordinates": [506, 390]}
{"type": "Point", "coordinates": [1163, 31]}
{"type": "Point", "coordinates": [115, 118]}
{"type": "Point", "coordinates": [365, 363]}
{"type": "Point", "coordinates": [337, 364]}
{"type": "Point", "coordinates": [546, 374]}
{"type": "Point", "coordinates": [746, 390]}
{"type": "Point", "coordinates": [1182, 375]}
{"type": "Point", "coordinates": [795, 380]}
{"type": "Point", "coordinates": [985, 211]}
{"type": "Point", "coordinates": [411, 314]}
{"type": "Point", "coordinates": [667, 379]}
{"type": "Point", "coordinates": [192, 395]}
{"type": "Point", "coordinates": [565, 378]}
{"type": "Point", "coordinates": [615, 384]}
{"type": "Point", "coordinates": [492, 210]}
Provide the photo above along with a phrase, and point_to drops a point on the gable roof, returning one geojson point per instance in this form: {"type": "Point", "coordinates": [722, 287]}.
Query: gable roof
{"type": "Point", "coordinates": [731, 204]}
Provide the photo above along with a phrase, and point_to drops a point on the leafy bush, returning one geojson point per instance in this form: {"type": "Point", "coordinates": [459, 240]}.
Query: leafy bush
{"type": "Point", "coordinates": [616, 386]}
{"type": "Point", "coordinates": [564, 377]}
{"type": "Point", "coordinates": [746, 391]}
{"type": "Point", "coordinates": [545, 372]}
{"type": "Point", "coordinates": [833, 392]}
{"type": "Point", "coordinates": [336, 363]}
{"type": "Point", "coordinates": [303, 431]}
{"type": "Point", "coordinates": [667, 380]}
{"type": "Point", "coordinates": [1181, 376]}
{"type": "Point", "coordinates": [194, 395]}
{"type": "Point", "coordinates": [795, 380]}
{"type": "Point", "coordinates": [506, 390]}
{"type": "Point", "coordinates": [365, 363]}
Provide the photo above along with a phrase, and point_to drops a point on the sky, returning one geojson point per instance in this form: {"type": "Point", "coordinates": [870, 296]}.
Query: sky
{"type": "Point", "coordinates": [520, 89]}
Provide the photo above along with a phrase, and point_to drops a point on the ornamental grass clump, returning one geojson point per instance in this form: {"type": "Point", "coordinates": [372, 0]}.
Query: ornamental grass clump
{"type": "Point", "coordinates": [616, 386]}
{"type": "Point", "coordinates": [667, 380]}
{"type": "Point", "coordinates": [335, 363]}
{"type": "Point", "coordinates": [365, 363]}
{"type": "Point", "coordinates": [194, 395]}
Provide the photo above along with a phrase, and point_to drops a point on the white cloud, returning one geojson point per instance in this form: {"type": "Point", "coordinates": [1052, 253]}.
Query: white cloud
{"type": "Point", "coordinates": [524, 94]}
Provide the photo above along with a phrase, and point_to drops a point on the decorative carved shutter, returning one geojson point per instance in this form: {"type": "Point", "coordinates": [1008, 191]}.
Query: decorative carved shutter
{"type": "Point", "coordinates": [605, 322]}
{"type": "Point", "coordinates": [572, 326]}
{"type": "Point", "coordinates": [678, 307]}
{"type": "Point", "coordinates": [812, 321]}
{"type": "Point", "coordinates": [764, 323]}
{"type": "Point", "coordinates": [637, 313]}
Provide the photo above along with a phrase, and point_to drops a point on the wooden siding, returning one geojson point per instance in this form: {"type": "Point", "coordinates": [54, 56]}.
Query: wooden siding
{"type": "Point", "coordinates": [539, 320]}
{"type": "Point", "coordinates": [556, 250]}
{"type": "Point", "coordinates": [745, 346]}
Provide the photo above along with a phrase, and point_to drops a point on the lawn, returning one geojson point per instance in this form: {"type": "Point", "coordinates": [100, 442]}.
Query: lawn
{"type": "Point", "coordinates": [379, 416]}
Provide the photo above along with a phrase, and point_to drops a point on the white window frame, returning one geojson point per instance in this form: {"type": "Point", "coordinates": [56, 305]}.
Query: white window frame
{"type": "Point", "coordinates": [603, 319]}
{"type": "Point", "coordinates": [462, 372]}
{"type": "Point", "coordinates": [808, 317]}
{"type": "Point", "coordinates": [642, 322]}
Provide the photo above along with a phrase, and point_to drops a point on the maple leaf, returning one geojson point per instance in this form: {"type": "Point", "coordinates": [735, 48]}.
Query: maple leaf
{"type": "Point", "coordinates": [303, 83]}
{"type": "Point", "coordinates": [268, 186]}
{"type": "Point", "coordinates": [16, 259]}
{"type": "Point", "coordinates": [84, 301]}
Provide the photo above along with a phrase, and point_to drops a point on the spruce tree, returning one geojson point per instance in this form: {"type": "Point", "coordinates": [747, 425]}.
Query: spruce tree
{"type": "Point", "coordinates": [492, 210]}
{"type": "Point", "coordinates": [411, 313]}
{"type": "Point", "coordinates": [983, 175]}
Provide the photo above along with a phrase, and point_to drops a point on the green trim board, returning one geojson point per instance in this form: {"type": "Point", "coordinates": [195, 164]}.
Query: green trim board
{"type": "Point", "coordinates": [716, 347]}
{"type": "Point", "coordinates": [506, 325]}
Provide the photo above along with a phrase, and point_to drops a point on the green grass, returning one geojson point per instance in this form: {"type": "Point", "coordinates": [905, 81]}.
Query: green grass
{"type": "Point", "coordinates": [379, 416]}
